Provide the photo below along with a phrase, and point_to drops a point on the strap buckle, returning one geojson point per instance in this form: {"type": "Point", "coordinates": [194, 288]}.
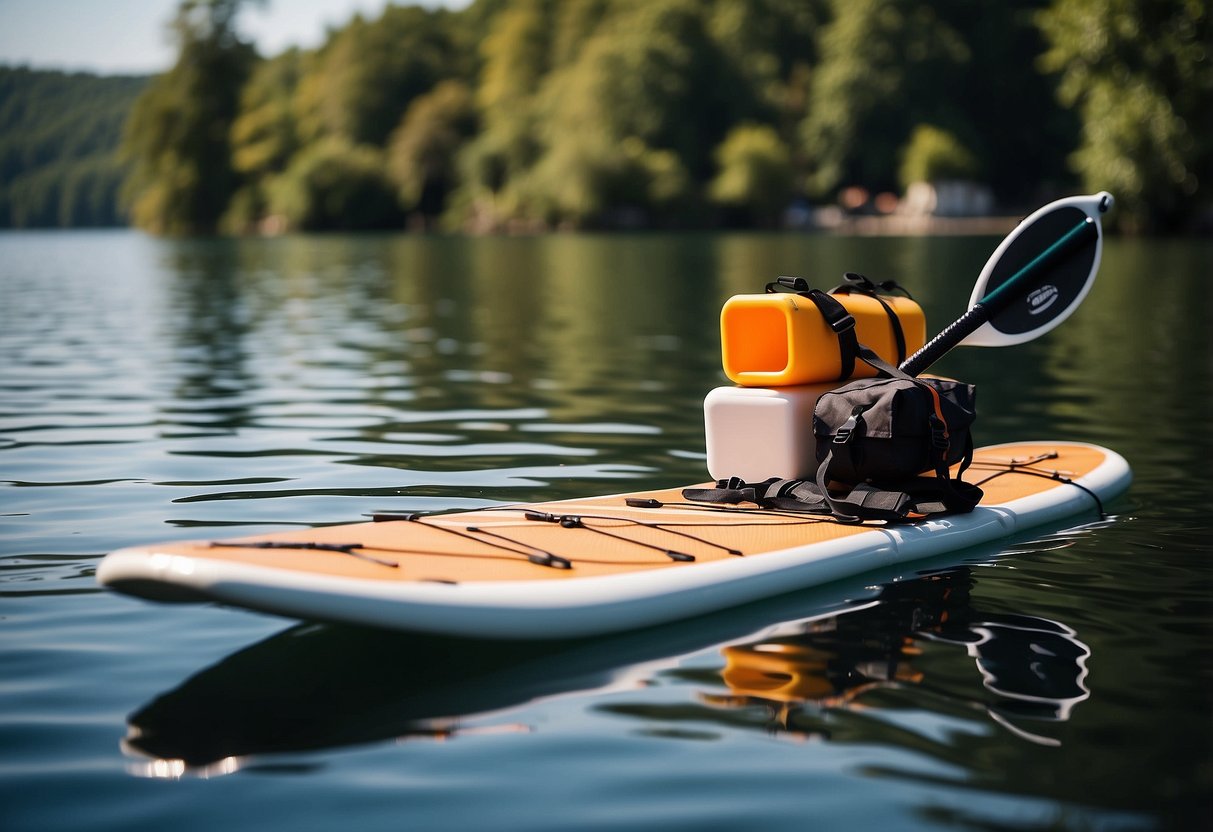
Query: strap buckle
{"type": "Point", "coordinates": [847, 429]}
{"type": "Point", "coordinates": [791, 284]}
{"type": "Point", "coordinates": [833, 312]}
{"type": "Point", "coordinates": [843, 324]}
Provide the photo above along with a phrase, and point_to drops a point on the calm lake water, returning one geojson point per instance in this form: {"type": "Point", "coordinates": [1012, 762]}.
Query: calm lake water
{"type": "Point", "coordinates": [154, 390]}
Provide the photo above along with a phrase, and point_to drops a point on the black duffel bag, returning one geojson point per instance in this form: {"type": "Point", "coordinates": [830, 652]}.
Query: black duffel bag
{"type": "Point", "coordinates": [893, 439]}
{"type": "Point", "coordinates": [882, 429]}
{"type": "Point", "coordinates": [885, 446]}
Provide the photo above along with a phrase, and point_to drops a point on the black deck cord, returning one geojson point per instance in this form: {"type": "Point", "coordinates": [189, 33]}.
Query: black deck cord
{"type": "Point", "coordinates": [541, 557]}
{"type": "Point", "coordinates": [804, 517]}
{"type": "Point", "coordinates": [661, 527]}
{"type": "Point", "coordinates": [648, 502]}
{"type": "Point", "coordinates": [346, 548]}
{"type": "Point", "coordinates": [1032, 460]}
{"type": "Point", "coordinates": [341, 548]}
{"type": "Point", "coordinates": [537, 556]}
{"type": "Point", "coordinates": [1050, 475]}
{"type": "Point", "coordinates": [544, 558]}
{"type": "Point", "coordinates": [573, 521]}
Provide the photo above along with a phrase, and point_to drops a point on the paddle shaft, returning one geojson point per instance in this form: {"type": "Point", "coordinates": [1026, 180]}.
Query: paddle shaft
{"type": "Point", "coordinates": [1000, 298]}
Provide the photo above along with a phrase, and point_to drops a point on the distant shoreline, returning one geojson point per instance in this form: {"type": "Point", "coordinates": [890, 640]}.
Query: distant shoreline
{"type": "Point", "coordinates": [893, 225]}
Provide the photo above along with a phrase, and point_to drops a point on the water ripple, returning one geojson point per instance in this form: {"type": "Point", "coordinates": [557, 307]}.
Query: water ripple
{"type": "Point", "coordinates": [159, 389]}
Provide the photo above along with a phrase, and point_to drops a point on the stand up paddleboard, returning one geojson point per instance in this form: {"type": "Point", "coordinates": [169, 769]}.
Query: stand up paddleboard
{"type": "Point", "coordinates": [598, 565]}
{"type": "Point", "coordinates": [607, 564]}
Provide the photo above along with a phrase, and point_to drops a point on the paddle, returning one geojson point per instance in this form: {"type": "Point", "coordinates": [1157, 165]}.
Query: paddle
{"type": "Point", "coordinates": [1032, 282]}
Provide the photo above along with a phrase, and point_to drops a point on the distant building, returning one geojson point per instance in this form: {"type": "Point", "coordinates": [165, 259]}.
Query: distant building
{"type": "Point", "coordinates": [947, 198]}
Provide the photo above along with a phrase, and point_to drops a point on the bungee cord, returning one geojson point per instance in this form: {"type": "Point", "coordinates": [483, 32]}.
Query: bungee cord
{"type": "Point", "coordinates": [512, 547]}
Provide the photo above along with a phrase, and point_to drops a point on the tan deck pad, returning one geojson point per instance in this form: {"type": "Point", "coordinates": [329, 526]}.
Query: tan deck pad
{"type": "Point", "coordinates": [501, 544]}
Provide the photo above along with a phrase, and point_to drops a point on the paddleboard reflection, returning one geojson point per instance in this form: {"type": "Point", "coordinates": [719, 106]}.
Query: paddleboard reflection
{"type": "Point", "coordinates": [1032, 669]}
{"type": "Point", "coordinates": [315, 687]}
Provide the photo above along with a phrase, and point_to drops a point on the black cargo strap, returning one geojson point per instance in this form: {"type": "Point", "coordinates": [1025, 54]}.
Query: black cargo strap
{"type": "Point", "coordinates": [856, 282]}
{"type": "Point", "coordinates": [789, 495]}
{"type": "Point", "coordinates": [860, 284]}
{"type": "Point", "coordinates": [835, 315]}
{"type": "Point", "coordinates": [914, 500]}
{"type": "Point", "coordinates": [840, 320]}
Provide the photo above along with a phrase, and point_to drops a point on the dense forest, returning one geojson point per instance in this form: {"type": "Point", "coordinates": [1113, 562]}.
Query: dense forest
{"type": "Point", "coordinates": [59, 136]}
{"type": "Point", "coordinates": [541, 114]}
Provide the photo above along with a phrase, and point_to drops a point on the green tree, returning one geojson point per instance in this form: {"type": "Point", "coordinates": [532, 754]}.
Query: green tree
{"type": "Point", "coordinates": [177, 137]}
{"type": "Point", "coordinates": [755, 175]}
{"type": "Point", "coordinates": [886, 65]}
{"type": "Point", "coordinates": [1140, 76]}
{"type": "Point", "coordinates": [1005, 111]}
{"type": "Point", "coordinates": [335, 185]}
{"type": "Point", "coordinates": [657, 75]}
{"type": "Point", "coordinates": [772, 46]}
{"type": "Point", "coordinates": [264, 134]}
{"type": "Point", "coordinates": [628, 128]}
{"type": "Point", "coordinates": [59, 135]}
{"type": "Point", "coordinates": [600, 183]}
{"type": "Point", "coordinates": [933, 155]}
{"type": "Point", "coordinates": [574, 22]}
{"type": "Point", "coordinates": [361, 81]}
{"type": "Point", "coordinates": [264, 137]}
{"type": "Point", "coordinates": [422, 155]}
{"type": "Point", "coordinates": [515, 62]}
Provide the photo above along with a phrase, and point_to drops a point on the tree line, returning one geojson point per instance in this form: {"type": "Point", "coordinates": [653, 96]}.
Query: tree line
{"type": "Point", "coordinates": [59, 134]}
{"type": "Point", "coordinates": [542, 114]}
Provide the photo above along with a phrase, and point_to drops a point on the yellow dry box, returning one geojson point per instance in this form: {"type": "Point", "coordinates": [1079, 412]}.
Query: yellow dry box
{"type": "Point", "coordinates": [779, 339]}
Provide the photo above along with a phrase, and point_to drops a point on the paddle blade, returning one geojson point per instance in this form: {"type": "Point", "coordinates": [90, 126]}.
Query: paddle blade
{"type": "Point", "coordinates": [1053, 289]}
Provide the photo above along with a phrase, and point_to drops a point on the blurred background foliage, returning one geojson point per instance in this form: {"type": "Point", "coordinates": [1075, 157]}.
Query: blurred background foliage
{"type": "Point", "coordinates": [58, 139]}
{"type": "Point", "coordinates": [543, 114]}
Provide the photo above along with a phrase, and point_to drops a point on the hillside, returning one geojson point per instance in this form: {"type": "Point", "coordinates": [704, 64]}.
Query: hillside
{"type": "Point", "coordinates": [59, 137]}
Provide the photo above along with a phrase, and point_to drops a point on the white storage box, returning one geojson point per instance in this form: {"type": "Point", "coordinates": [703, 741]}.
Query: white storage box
{"type": "Point", "coordinates": [760, 432]}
